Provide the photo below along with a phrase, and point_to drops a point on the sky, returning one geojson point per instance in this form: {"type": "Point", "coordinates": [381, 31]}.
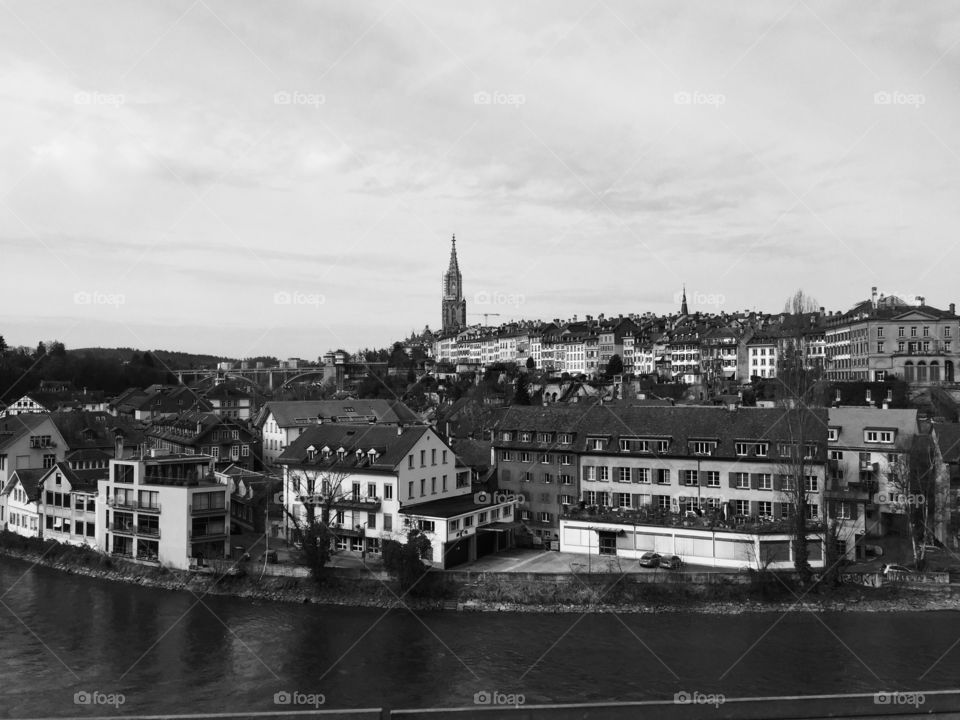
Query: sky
{"type": "Point", "coordinates": [248, 179]}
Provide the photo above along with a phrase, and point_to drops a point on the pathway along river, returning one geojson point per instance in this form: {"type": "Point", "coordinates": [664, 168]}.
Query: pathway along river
{"type": "Point", "coordinates": [167, 652]}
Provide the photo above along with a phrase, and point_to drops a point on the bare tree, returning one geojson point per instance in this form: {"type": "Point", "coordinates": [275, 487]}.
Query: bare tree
{"type": "Point", "coordinates": [320, 493]}
{"type": "Point", "coordinates": [800, 303]}
{"type": "Point", "coordinates": [913, 480]}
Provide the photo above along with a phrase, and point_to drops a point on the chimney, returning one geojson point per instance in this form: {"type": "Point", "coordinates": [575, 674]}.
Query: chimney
{"type": "Point", "coordinates": [873, 295]}
{"type": "Point", "coordinates": [822, 310]}
{"type": "Point", "coordinates": [953, 308]}
{"type": "Point", "coordinates": [118, 446]}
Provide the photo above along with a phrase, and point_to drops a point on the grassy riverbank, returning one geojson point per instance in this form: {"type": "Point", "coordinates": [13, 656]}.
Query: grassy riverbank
{"type": "Point", "coordinates": [592, 593]}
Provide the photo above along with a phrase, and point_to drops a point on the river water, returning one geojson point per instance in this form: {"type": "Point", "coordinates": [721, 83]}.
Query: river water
{"type": "Point", "coordinates": [172, 652]}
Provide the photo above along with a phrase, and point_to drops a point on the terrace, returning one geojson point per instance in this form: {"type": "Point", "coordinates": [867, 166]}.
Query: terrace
{"type": "Point", "coordinates": [713, 521]}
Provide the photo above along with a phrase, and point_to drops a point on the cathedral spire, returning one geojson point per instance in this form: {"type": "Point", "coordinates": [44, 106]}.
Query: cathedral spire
{"type": "Point", "coordinates": [683, 303]}
{"type": "Point", "coordinates": [454, 306]}
{"type": "Point", "coordinates": [454, 266]}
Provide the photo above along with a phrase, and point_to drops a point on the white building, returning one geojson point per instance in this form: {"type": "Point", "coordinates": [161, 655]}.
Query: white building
{"type": "Point", "coordinates": [67, 501]}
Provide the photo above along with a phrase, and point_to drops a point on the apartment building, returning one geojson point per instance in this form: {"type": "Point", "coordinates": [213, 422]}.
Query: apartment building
{"type": "Point", "coordinates": [164, 509]}
{"type": "Point", "coordinates": [67, 504]}
{"type": "Point", "coordinates": [377, 482]}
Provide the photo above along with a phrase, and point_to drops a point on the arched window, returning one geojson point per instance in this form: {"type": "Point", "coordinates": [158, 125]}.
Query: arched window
{"type": "Point", "coordinates": [921, 371]}
{"type": "Point", "coordinates": [908, 371]}
{"type": "Point", "coordinates": [934, 371]}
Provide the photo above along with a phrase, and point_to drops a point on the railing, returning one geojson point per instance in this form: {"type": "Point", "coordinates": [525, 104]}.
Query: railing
{"type": "Point", "coordinates": [126, 529]}
{"type": "Point", "coordinates": [132, 505]}
{"type": "Point", "coordinates": [358, 502]}
{"type": "Point", "coordinates": [153, 532]}
{"type": "Point", "coordinates": [206, 534]}
{"type": "Point", "coordinates": [738, 523]}
{"type": "Point", "coordinates": [195, 510]}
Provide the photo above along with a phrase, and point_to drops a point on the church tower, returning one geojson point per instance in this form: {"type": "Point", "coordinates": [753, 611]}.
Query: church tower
{"type": "Point", "coordinates": [454, 307]}
{"type": "Point", "coordinates": [683, 303]}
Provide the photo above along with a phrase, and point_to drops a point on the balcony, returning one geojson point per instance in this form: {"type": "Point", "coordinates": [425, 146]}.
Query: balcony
{"type": "Point", "coordinates": [663, 518]}
{"type": "Point", "coordinates": [206, 510]}
{"type": "Point", "coordinates": [147, 531]}
{"type": "Point", "coordinates": [129, 529]}
{"type": "Point", "coordinates": [344, 502]}
{"type": "Point", "coordinates": [207, 533]}
{"type": "Point", "coordinates": [132, 505]}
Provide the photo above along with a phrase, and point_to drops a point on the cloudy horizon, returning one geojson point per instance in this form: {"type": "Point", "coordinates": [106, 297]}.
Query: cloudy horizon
{"type": "Point", "coordinates": [243, 179]}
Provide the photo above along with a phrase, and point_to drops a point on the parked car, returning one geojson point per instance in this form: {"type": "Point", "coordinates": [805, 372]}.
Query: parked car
{"type": "Point", "coordinates": [650, 560]}
{"type": "Point", "coordinates": [896, 570]}
{"type": "Point", "coordinates": [671, 562]}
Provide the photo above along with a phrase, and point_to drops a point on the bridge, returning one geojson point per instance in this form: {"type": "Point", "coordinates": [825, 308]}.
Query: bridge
{"type": "Point", "coordinates": [261, 378]}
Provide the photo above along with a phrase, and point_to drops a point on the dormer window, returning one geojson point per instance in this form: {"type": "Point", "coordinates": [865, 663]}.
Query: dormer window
{"type": "Point", "coordinates": [372, 455]}
{"type": "Point", "coordinates": [506, 436]}
{"type": "Point", "coordinates": [565, 438]}
{"type": "Point", "coordinates": [596, 443]}
{"type": "Point", "coordinates": [341, 454]}
{"type": "Point", "coordinates": [762, 449]}
{"type": "Point", "coordinates": [312, 452]}
{"type": "Point", "coordinates": [833, 434]}
{"type": "Point", "coordinates": [878, 436]}
{"type": "Point", "coordinates": [525, 437]}
{"type": "Point", "coordinates": [703, 447]}
{"type": "Point", "coordinates": [743, 449]}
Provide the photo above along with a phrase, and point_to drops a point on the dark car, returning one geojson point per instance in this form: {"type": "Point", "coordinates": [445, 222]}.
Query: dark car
{"type": "Point", "coordinates": [650, 560]}
{"type": "Point", "coordinates": [671, 562]}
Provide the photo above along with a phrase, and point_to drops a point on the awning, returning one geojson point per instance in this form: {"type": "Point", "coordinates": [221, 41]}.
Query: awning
{"type": "Point", "coordinates": [500, 526]}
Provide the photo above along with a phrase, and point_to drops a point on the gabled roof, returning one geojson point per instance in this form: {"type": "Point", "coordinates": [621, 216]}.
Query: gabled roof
{"type": "Point", "coordinates": [303, 412]}
{"type": "Point", "coordinates": [14, 427]}
{"type": "Point", "coordinates": [80, 480]}
{"type": "Point", "coordinates": [852, 421]}
{"type": "Point", "coordinates": [391, 443]}
{"type": "Point", "coordinates": [28, 479]}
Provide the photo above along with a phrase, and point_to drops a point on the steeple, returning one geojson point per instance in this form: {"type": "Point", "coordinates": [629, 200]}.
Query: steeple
{"type": "Point", "coordinates": [454, 266]}
{"type": "Point", "coordinates": [683, 303]}
{"type": "Point", "coordinates": [454, 306]}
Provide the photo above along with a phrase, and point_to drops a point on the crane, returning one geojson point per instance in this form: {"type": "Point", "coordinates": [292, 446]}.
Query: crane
{"type": "Point", "coordinates": [485, 316]}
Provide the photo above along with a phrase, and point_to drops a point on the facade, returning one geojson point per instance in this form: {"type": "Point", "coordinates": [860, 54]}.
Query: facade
{"type": "Point", "coordinates": [453, 305]}
{"type": "Point", "coordinates": [20, 502]}
{"type": "Point", "coordinates": [67, 504]}
{"type": "Point", "coordinates": [885, 336]}
{"type": "Point", "coordinates": [227, 441]}
{"type": "Point", "coordinates": [862, 443]}
{"type": "Point", "coordinates": [23, 405]}
{"type": "Point", "coordinates": [31, 440]}
{"type": "Point", "coordinates": [375, 482]}
{"type": "Point", "coordinates": [228, 401]}
{"type": "Point", "coordinates": [253, 499]}
{"type": "Point", "coordinates": [164, 509]}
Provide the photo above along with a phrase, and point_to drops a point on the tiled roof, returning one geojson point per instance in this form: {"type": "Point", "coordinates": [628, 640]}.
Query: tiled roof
{"type": "Point", "coordinates": [852, 421]}
{"type": "Point", "coordinates": [444, 508]}
{"type": "Point", "coordinates": [29, 479]}
{"type": "Point", "coordinates": [81, 480]}
{"type": "Point", "coordinates": [391, 445]}
{"type": "Point", "coordinates": [301, 412]}
{"type": "Point", "coordinates": [14, 427]}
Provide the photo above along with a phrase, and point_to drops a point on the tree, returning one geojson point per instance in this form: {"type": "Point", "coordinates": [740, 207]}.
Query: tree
{"type": "Point", "coordinates": [314, 530]}
{"type": "Point", "coordinates": [405, 561]}
{"type": "Point", "coordinates": [800, 303]}
{"type": "Point", "coordinates": [614, 366]}
{"type": "Point", "coordinates": [40, 351]}
{"type": "Point", "coordinates": [913, 479]}
{"type": "Point", "coordinates": [521, 395]}
{"type": "Point", "coordinates": [530, 363]}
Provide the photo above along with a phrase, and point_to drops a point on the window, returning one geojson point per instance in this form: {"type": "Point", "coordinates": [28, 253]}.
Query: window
{"type": "Point", "coordinates": [245, 451]}
{"type": "Point", "coordinates": [525, 457]}
{"type": "Point", "coordinates": [703, 448]}
{"type": "Point", "coordinates": [926, 331]}
{"type": "Point", "coordinates": [564, 459]}
{"type": "Point", "coordinates": [49, 461]}
{"type": "Point", "coordinates": [444, 485]}
{"type": "Point", "coordinates": [663, 476]}
{"type": "Point", "coordinates": [410, 489]}
{"type": "Point", "coordinates": [743, 449]}
{"type": "Point", "coordinates": [663, 502]}
{"type": "Point", "coordinates": [742, 507]}
{"type": "Point", "coordinates": [544, 458]}
{"type": "Point", "coordinates": [765, 481]}
{"type": "Point", "coordinates": [423, 458]}
{"type": "Point", "coordinates": [547, 478]}
{"type": "Point", "coordinates": [833, 434]}
{"type": "Point", "coordinates": [813, 511]}
{"type": "Point", "coordinates": [765, 508]}
{"type": "Point", "coordinates": [388, 523]}
{"type": "Point", "coordinates": [662, 445]}
{"type": "Point", "coordinates": [388, 491]}
{"type": "Point", "coordinates": [410, 462]}
{"type": "Point", "coordinates": [879, 332]}
{"type": "Point", "coordinates": [623, 474]}
{"type": "Point", "coordinates": [566, 479]}
{"type": "Point", "coordinates": [879, 347]}
{"type": "Point", "coordinates": [454, 525]}
{"type": "Point", "coordinates": [843, 511]}
{"type": "Point", "coordinates": [742, 480]}
{"type": "Point", "coordinates": [545, 517]}
{"type": "Point", "coordinates": [913, 331]}
{"type": "Point", "coordinates": [544, 437]}
{"type": "Point", "coordinates": [525, 437]}
{"type": "Point", "coordinates": [506, 436]}
{"type": "Point", "coordinates": [433, 486]}
{"type": "Point", "coordinates": [713, 478]}
{"type": "Point", "coordinates": [526, 477]}
{"type": "Point", "coordinates": [506, 456]}
{"type": "Point", "coordinates": [689, 477]}
{"type": "Point", "coordinates": [762, 449]}
{"type": "Point", "coordinates": [643, 475]}
{"type": "Point", "coordinates": [604, 473]}
{"type": "Point", "coordinates": [433, 456]}
{"type": "Point", "coordinates": [622, 500]}
{"type": "Point", "coordinates": [590, 497]}
{"type": "Point", "coordinates": [810, 483]}
{"type": "Point", "coordinates": [596, 443]}
{"type": "Point", "coordinates": [468, 521]}
{"type": "Point", "coordinates": [565, 438]}
{"type": "Point", "coordinates": [444, 459]}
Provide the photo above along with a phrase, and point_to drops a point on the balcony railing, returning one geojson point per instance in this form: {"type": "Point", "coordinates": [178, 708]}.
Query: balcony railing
{"type": "Point", "coordinates": [206, 533]}
{"type": "Point", "coordinates": [130, 529]}
{"type": "Point", "coordinates": [653, 516]}
{"type": "Point", "coordinates": [132, 505]}
{"type": "Point", "coordinates": [207, 510]}
{"type": "Point", "coordinates": [346, 502]}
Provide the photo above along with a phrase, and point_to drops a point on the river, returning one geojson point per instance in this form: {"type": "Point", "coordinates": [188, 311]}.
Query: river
{"type": "Point", "coordinates": [172, 652]}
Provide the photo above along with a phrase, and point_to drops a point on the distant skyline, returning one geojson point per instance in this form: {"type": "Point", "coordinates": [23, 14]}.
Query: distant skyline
{"type": "Point", "coordinates": [248, 179]}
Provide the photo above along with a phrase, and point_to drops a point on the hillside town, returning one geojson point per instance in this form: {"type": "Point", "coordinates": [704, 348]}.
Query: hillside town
{"type": "Point", "coordinates": [714, 438]}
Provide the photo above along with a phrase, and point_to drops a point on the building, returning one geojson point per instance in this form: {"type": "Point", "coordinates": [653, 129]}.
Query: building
{"type": "Point", "coordinates": [164, 509]}
{"type": "Point", "coordinates": [886, 335]}
{"type": "Point", "coordinates": [20, 502]}
{"type": "Point", "coordinates": [722, 470]}
{"type": "Point", "coordinates": [253, 500]}
{"type": "Point", "coordinates": [24, 405]}
{"type": "Point", "coordinates": [229, 401]}
{"type": "Point", "coordinates": [227, 441]}
{"type": "Point", "coordinates": [30, 440]}
{"type": "Point", "coordinates": [862, 443]}
{"type": "Point", "coordinates": [67, 504]}
{"type": "Point", "coordinates": [453, 305]}
{"type": "Point", "coordinates": [282, 422]}
{"type": "Point", "coordinates": [376, 482]}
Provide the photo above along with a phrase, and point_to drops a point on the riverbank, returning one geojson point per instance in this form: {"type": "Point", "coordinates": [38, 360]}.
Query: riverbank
{"type": "Point", "coordinates": [594, 593]}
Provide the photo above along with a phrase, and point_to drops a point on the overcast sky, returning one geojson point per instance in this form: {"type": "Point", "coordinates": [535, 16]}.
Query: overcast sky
{"type": "Point", "coordinates": [283, 178]}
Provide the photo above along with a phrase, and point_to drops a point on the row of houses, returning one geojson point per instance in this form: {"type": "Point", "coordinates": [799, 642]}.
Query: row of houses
{"type": "Point", "coordinates": [879, 338]}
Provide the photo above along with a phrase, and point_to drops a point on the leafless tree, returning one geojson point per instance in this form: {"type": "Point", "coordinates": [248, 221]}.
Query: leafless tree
{"type": "Point", "coordinates": [913, 479]}
{"type": "Point", "coordinates": [800, 303]}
